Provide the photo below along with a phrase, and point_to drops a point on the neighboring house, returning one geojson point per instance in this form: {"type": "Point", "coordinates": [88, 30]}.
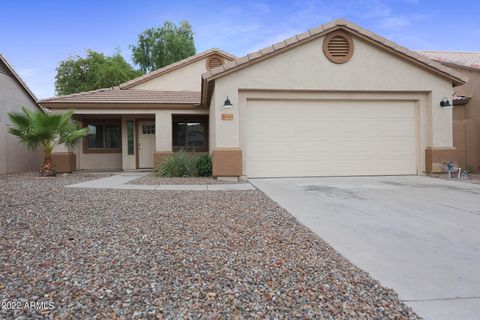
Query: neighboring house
{"type": "Point", "coordinates": [14, 94]}
{"type": "Point", "coordinates": [466, 101]}
{"type": "Point", "coordinates": [335, 100]}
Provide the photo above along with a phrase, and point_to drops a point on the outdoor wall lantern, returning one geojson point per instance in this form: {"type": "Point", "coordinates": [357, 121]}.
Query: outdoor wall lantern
{"type": "Point", "coordinates": [227, 104]}
{"type": "Point", "coordinates": [445, 103]}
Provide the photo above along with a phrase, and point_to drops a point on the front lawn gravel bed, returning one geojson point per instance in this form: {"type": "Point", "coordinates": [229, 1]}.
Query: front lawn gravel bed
{"type": "Point", "coordinates": [135, 254]}
{"type": "Point", "coordinates": [152, 179]}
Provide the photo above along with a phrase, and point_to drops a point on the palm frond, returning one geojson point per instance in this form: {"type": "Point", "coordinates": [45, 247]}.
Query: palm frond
{"type": "Point", "coordinates": [46, 129]}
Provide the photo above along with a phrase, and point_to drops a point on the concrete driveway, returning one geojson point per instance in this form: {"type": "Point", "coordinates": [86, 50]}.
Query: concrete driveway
{"type": "Point", "coordinates": [417, 235]}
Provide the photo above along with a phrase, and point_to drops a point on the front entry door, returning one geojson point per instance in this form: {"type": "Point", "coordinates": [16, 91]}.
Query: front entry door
{"type": "Point", "coordinates": [146, 143]}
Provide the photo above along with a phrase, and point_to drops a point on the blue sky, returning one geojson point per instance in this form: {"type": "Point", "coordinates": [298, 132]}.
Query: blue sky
{"type": "Point", "coordinates": [35, 35]}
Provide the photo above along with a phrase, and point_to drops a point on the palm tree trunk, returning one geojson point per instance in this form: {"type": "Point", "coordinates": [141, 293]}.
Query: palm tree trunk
{"type": "Point", "coordinates": [47, 169]}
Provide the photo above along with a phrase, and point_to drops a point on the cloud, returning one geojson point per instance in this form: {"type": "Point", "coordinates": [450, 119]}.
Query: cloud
{"type": "Point", "coordinates": [27, 72]}
{"type": "Point", "coordinates": [233, 11]}
{"type": "Point", "coordinates": [260, 7]}
{"type": "Point", "coordinates": [394, 22]}
{"type": "Point", "coordinates": [39, 80]}
{"type": "Point", "coordinates": [371, 9]}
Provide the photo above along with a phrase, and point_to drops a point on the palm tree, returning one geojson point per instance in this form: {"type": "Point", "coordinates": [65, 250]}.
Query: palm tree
{"type": "Point", "coordinates": [46, 130]}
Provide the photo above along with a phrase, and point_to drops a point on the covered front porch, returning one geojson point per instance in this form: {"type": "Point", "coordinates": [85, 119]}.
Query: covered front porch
{"type": "Point", "coordinates": [133, 139]}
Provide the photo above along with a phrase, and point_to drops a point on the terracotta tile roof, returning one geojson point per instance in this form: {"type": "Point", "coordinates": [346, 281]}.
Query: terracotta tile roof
{"type": "Point", "coordinates": [117, 96]}
{"type": "Point", "coordinates": [15, 75]}
{"type": "Point", "coordinates": [176, 65]}
{"type": "Point", "coordinates": [460, 100]}
{"type": "Point", "coordinates": [463, 58]}
{"type": "Point", "coordinates": [301, 38]}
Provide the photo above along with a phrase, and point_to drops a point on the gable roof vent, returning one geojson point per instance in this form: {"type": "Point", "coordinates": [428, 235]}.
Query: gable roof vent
{"type": "Point", "coordinates": [4, 70]}
{"type": "Point", "coordinates": [214, 61]}
{"type": "Point", "coordinates": [338, 47]}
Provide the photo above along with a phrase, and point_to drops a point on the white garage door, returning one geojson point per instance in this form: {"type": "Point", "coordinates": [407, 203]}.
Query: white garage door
{"type": "Point", "coordinates": [330, 138]}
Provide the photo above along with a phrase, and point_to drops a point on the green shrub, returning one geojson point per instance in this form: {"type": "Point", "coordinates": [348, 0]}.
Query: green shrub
{"type": "Point", "coordinates": [470, 169]}
{"type": "Point", "coordinates": [203, 164]}
{"type": "Point", "coordinates": [181, 163]}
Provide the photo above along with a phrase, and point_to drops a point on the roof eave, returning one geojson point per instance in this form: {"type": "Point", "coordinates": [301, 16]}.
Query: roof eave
{"type": "Point", "coordinates": [22, 83]}
{"type": "Point", "coordinates": [452, 64]}
{"type": "Point", "coordinates": [310, 35]}
{"type": "Point", "coordinates": [174, 66]}
{"type": "Point", "coordinates": [461, 102]}
{"type": "Point", "coordinates": [117, 105]}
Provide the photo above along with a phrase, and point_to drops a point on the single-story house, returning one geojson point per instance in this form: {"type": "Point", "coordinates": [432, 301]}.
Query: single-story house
{"type": "Point", "coordinates": [466, 101]}
{"type": "Point", "coordinates": [14, 94]}
{"type": "Point", "coordinates": [336, 100]}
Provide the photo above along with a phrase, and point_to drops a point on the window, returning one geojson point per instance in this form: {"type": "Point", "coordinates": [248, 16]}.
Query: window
{"type": "Point", "coordinates": [103, 137]}
{"type": "Point", "coordinates": [190, 132]}
{"type": "Point", "coordinates": [148, 129]}
{"type": "Point", "coordinates": [130, 137]}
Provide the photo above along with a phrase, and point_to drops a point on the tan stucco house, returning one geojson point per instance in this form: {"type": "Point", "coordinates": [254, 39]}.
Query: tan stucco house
{"type": "Point", "coordinates": [335, 100]}
{"type": "Point", "coordinates": [14, 94]}
{"type": "Point", "coordinates": [466, 101]}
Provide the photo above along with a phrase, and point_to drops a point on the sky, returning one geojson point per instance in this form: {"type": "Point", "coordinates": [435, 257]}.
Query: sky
{"type": "Point", "coordinates": [36, 35]}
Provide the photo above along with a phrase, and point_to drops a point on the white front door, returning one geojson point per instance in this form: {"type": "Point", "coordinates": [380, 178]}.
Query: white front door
{"type": "Point", "coordinates": [146, 143]}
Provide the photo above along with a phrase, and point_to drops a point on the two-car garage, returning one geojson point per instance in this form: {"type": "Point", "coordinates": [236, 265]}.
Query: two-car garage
{"type": "Point", "coordinates": [334, 101]}
{"type": "Point", "coordinates": [289, 138]}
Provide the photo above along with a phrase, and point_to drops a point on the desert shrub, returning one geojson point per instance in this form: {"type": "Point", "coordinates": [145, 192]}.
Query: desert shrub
{"type": "Point", "coordinates": [470, 169]}
{"type": "Point", "coordinates": [181, 163]}
{"type": "Point", "coordinates": [203, 164]}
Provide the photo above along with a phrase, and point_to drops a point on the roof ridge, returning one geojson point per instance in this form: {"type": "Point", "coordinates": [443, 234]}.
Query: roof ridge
{"type": "Point", "coordinates": [165, 69]}
{"type": "Point", "coordinates": [77, 94]}
{"type": "Point", "coordinates": [448, 51]}
{"type": "Point", "coordinates": [126, 96]}
{"type": "Point", "coordinates": [320, 31]}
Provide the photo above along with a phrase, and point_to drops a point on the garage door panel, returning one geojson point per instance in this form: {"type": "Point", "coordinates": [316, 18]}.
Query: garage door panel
{"type": "Point", "coordinates": [284, 168]}
{"type": "Point", "coordinates": [348, 152]}
{"type": "Point", "coordinates": [317, 138]}
{"type": "Point", "coordinates": [268, 169]}
{"type": "Point", "coordinates": [344, 168]}
{"type": "Point", "coordinates": [333, 110]}
{"type": "Point", "coordinates": [349, 127]}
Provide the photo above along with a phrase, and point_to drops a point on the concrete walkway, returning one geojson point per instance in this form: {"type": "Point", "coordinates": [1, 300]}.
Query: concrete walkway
{"type": "Point", "coordinates": [417, 235]}
{"type": "Point", "coordinates": [120, 181]}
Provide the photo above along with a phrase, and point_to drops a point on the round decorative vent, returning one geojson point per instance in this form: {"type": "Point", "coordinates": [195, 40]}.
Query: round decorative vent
{"type": "Point", "coordinates": [214, 61]}
{"type": "Point", "coordinates": [338, 47]}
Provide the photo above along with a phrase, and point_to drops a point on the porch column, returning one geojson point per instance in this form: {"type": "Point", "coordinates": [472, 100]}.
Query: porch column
{"type": "Point", "coordinates": [63, 159]}
{"type": "Point", "coordinates": [163, 136]}
{"type": "Point", "coordinates": [440, 150]}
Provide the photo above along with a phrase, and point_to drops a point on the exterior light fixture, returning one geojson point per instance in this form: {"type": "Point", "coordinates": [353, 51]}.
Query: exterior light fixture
{"type": "Point", "coordinates": [445, 103]}
{"type": "Point", "coordinates": [227, 104]}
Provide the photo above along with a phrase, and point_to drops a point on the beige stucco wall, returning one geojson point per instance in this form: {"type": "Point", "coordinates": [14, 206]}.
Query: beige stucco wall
{"type": "Point", "coordinates": [469, 89]}
{"type": "Point", "coordinates": [186, 78]}
{"type": "Point", "coordinates": [14, 157]}
{"type": "Point", "coordinates": [163, 136]}
{"type": "Point", "coordinates": [467, 120]}
{"type": "Point", "coordinates": [98, 161]}
{"type": "Point", "coordinates": [370, 70]}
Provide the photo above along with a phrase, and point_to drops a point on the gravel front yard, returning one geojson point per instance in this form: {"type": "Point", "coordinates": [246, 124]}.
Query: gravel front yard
{"type": "Point", "coordinates": [171, 254]}
{"type": "Point", "coordinates": [151, 179]}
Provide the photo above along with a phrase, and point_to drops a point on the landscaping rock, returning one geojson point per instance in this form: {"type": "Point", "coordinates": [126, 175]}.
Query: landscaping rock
{"type": "Point", "coordinates": [152, 179]}
{"type": "Point", "coordinates": [139, 254]}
